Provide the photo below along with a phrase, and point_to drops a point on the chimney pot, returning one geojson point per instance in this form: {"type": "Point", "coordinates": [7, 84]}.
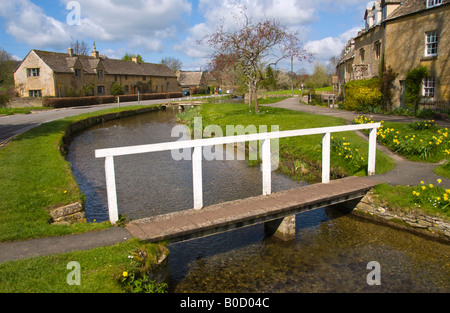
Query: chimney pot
{"type": "Point", "coordinates": [70, 52]}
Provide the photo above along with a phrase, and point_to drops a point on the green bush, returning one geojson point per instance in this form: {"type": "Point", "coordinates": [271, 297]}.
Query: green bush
{"type": "Point", "coordinates": [413, 83]}
{"type": "Point", "coordinates": [362, 95]}
{"type": "Point", "coordinates": [117, 89]}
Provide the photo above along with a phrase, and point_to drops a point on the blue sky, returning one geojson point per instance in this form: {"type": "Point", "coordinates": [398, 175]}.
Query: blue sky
{"type": "Point", "coordinates": [170, 28]}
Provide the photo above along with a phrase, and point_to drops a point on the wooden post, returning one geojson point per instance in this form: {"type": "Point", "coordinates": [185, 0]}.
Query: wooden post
{"type": "Point", "coordinates": [326, 158]}
{"type": "Point", "coordinates": [266, 167]}
{"type": "Point", "coordinates": [197, 177]}
{"type": "Point", "coordinates": [372, 151]}
{"type": "Point", "coordinates": [111, 190]}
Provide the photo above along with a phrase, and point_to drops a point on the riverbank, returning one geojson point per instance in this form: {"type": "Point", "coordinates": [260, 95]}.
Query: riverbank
{"type": "Point", "coordinates": [396, 200]}
{"type": "Point", "coordinates": [36, 177]}
{"type": "Point", "coordinates": [98, 273]}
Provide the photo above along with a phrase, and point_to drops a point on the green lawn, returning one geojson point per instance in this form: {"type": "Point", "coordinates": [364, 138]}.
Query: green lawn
{"type": "Point", "coordinates": [100, 270]}
{"type": "Point", "coordinates": [35, 177]}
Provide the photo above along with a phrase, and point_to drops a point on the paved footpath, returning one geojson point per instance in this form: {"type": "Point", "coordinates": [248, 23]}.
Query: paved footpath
{"type": "Point", "coordinates": [405, 173]}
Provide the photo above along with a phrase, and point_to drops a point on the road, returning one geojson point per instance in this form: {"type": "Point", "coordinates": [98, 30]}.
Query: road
{"type": "Point", "coordinates": [11, 126]}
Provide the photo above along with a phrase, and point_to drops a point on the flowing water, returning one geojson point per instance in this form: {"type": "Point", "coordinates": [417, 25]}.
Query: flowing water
{"type": "Point", "coordinates": [331, 251]}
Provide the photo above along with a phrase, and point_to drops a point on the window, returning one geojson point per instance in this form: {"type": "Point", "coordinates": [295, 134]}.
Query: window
{"type": "Point", "coordinates": [431, 43]}
{"type": "Point", "coordinates": [433, 3]}
{"type": "Point", "coordinates": [77, 73]}
{"type": "Point", "coordinates": [100, 74]}
{"type": "Point", "coordinates": [377, 49]}
{"type": "Point", "coordinates": [428, 87]}
{"type": "Point", "coordinates": [34, 93]}
{"type": "Point", "coordinates": [100, 90]}
{"type": "Point", "coordinates": [33, 72]}
{"type": "Point", "coordinates": [363, 55]}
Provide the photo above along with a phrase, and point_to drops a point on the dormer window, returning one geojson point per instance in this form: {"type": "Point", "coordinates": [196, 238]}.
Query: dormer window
{"type": "Point", "coordinates": [100, 74]}
{"type": "Point", "coordinates": [77, 73]}
{"type": "Point", "coordinates": [433, 3]}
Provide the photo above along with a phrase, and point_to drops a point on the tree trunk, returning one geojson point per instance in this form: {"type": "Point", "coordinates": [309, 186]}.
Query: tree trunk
{"type": "Point", "coordinates": [256, 101]}
{"type": "Point", "coordinates": [250, 96]}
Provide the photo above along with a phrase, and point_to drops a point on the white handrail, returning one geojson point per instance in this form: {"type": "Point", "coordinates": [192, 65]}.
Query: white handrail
{"type": "Point", "coordinates": [197, 145]}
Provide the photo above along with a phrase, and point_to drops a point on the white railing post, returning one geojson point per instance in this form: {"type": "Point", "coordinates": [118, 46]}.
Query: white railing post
{"type": "Point", "coordinates": [372, 151]}
{"type": "Point", "coordinates": [326, 158]}
{"type": "Point", "coordinates": [111, 189]}
{"type": "Point", "coordinates": [266, 168]}
{"type": "Point", "coordinates": [197, 177]}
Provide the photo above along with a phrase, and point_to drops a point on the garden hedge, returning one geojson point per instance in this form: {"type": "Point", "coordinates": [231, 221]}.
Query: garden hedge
{"type": "Point", "coordinates": [83, 101]}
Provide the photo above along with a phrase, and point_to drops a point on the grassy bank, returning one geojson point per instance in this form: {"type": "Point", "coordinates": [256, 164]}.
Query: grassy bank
{"type": "Point", "coordinates": [35, 177]}
{"type": "Point", "coordinates": [300, 157]}
{"type": "Point", "coordinates": [102, 270]}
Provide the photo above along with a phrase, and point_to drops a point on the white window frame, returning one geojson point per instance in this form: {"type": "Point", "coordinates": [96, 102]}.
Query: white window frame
{"type": "Point", "coordinates": [433, 3]}
{"type": "Point", "coordinates": [431, 43]}
{"type": "Point", "coordinates": [429, 87]}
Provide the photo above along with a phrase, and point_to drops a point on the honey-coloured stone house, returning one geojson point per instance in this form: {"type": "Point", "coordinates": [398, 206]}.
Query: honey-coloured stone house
{"type": "Point", "coordinates": [44, 73]}
{"type": "Point", "coordinates": [404, 34]}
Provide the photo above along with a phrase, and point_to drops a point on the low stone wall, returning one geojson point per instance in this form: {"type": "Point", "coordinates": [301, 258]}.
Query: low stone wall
{"type": "Point", "coordinates": [414, 221]}
{"type": "Point", "coordinates": [25, 103]}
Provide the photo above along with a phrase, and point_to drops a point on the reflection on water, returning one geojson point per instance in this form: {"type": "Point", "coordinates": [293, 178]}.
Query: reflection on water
{"type": "Point", "coordinates": [330, 253]}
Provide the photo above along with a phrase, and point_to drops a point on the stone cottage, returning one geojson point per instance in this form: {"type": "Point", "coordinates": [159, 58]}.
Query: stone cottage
{"type": "Point", "coordinates": [44, 73]}
{"type": "Point", "coordinates": [405, 34]}
{"type": "Point", "coordinates": [196, 80]}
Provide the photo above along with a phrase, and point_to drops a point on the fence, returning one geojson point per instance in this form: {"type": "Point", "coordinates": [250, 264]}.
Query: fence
{"type": "Point", "coordinates": [198, 144]}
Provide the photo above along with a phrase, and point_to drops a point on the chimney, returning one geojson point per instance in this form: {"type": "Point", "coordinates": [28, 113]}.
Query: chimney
{"type": "Point", "coordinates": [134, 59]}
{"type": "Point", "coordinates": [70, 52]}
{"type": "Point", "coordinates": [94, 52]}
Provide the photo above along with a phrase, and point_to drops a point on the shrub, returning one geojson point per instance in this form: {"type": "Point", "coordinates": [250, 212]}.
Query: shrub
{"type": "Point", "coordinates": [117, 89]}
{"type": "Point", "coordinates": [76, 101]}
{"type": "Point", "coordinates": [413, 82]}
{"type": "Point", "coordinates": [362, 95]}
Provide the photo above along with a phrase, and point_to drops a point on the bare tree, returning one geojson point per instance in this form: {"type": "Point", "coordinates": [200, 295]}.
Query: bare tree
{"type": "Point", "coordinates": [172, 63]}
{"type": "Point", "coordinates": [252, 46]}
{"type": "Point", "coordinates": [80, 48]}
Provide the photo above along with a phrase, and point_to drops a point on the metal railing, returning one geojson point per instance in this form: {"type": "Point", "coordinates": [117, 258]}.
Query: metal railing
{"type": "Point", "coordinates": [198, 144]}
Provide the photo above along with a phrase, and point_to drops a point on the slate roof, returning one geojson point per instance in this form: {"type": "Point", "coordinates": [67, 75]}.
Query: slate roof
{"type": "Point", "coordinates": [410, 7]}
{"type": "Point", "coordinates": [193, 78]}
{"type": "Point", "coordinates": [63, 63]}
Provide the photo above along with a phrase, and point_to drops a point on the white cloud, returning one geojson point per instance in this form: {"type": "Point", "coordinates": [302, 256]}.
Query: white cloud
{"type": "Point", "coordinates": [329, 47]}
{"type": "Point", "coordinates": [142, 23]}
{"type": "Point", "coordinates": [28, 23]}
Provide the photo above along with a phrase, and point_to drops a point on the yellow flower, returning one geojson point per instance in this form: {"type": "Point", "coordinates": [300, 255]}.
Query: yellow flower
{"type": "Point", "coordinates": [125, 274]}
{"type": "Point", "coordinates": [438, 198]}
{"type": "Point", "coordinates": [430, 185]}
{"type": "Point", "coordinates": [423, 187]}
{"type": "Point", "coordinates": [65, 191]}
{"type": "Point", "coordinates": [422, 182]}
{"type": "Point", "coordinates": [439, 180]}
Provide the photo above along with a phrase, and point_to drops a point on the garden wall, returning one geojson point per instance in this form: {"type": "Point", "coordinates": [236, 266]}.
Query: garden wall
{"type": "Point", "coordinates": [414, 221]}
